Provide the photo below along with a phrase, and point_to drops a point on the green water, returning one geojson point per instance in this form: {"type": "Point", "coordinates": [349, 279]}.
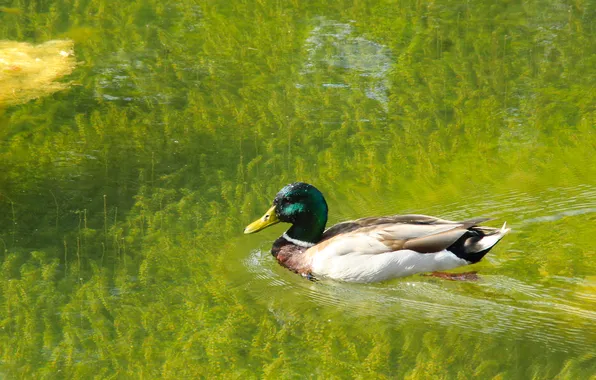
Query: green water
{"type": "Point", "coordinates": [124, 197]}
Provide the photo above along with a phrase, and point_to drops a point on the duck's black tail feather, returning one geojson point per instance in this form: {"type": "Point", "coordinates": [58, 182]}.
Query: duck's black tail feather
{"type": "Point", "coordinates": [476, 242]}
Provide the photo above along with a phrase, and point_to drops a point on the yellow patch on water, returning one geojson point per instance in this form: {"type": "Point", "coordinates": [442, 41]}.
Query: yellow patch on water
{"type": "Point", "coordinates": [30, 71]}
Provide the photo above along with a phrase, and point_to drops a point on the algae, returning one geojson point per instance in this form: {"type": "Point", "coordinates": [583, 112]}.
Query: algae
{"type": "Point", "coordinates": [121, 216]}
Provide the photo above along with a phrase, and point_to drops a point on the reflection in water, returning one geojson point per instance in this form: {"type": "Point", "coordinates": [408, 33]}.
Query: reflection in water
{"type": "Point", "coordinates": [334, 49]}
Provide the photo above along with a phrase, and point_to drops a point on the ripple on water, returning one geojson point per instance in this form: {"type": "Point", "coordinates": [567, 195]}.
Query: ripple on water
{"type": "Point", "coordinates": [561, 317]}
{"type": "Point", "coordinates": [493, 305]}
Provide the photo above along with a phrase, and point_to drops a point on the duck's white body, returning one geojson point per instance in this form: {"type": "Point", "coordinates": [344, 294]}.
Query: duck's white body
{"type": "Point", "coordinates": [358, 267]}
{"type": "Point", "coordinates": [369, 256]}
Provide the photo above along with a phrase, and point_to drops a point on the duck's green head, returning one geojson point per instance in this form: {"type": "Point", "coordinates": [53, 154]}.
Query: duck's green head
{"type": "Point", "coordinates": [300, 204]}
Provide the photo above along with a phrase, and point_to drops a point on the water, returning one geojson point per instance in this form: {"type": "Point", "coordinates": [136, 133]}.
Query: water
{"type": "Point", "coordinates": [125, 187]}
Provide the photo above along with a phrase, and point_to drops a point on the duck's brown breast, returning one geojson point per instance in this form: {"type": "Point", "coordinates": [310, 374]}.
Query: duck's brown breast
{"type": "Point", "coordinates": [292, 256]}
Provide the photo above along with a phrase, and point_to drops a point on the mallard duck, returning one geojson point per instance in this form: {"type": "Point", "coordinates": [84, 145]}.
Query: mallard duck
{"type": "Point", "coordinates": [369, 249]}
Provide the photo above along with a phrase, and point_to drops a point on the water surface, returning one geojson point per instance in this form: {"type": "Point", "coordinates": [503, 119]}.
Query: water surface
{"type": "Point", "coordinates": [123, 197]}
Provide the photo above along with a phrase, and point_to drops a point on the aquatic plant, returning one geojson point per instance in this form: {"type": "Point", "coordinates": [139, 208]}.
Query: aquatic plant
{"type": "Point", "coordinates": [122, 200]}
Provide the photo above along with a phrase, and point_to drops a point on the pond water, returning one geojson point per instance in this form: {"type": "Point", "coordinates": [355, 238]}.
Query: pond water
{"type": "Point", "coordinates": [125, 189]}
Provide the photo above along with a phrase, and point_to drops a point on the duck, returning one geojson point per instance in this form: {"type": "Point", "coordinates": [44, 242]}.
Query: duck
{"type": "Point", "coordinates": [370, 249]}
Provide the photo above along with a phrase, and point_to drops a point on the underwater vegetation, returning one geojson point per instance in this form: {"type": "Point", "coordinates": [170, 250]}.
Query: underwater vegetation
{"type": "Point", "coordinates": [123, 198]}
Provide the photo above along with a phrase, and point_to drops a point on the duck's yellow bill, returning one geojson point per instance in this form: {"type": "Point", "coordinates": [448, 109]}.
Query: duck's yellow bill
{"type": "Point", "coordinates": [269, 219]}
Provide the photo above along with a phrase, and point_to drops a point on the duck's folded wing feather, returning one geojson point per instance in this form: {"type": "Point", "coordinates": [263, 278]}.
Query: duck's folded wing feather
{"type": "Point", "coordinates": [435, 243]}
{"type": "Point", "coordinates": [420, 233]}
{"type": "Point", "coordinates": [353, 225]}
{"type": "Point", "coordinates": [410, 219]}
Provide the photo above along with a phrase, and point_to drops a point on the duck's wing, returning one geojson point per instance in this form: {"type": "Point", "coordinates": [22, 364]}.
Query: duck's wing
{"type": "Point", "coordinates": [416, 219]}
{"type": "Point", "coordinates": [420, 233]}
